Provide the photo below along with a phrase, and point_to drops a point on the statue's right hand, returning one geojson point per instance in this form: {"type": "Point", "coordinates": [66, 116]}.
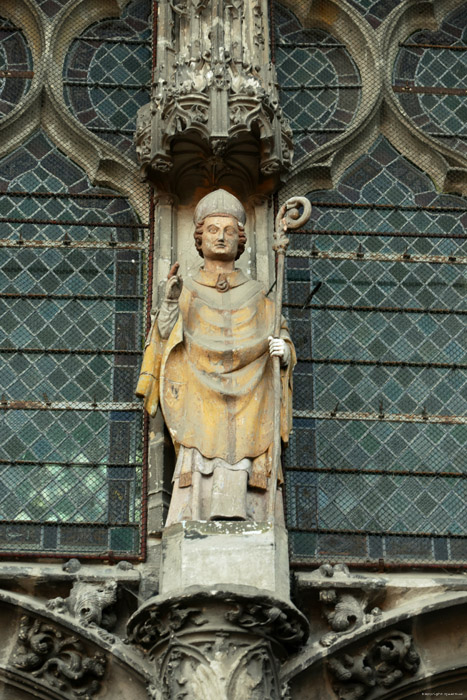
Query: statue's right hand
{"type": "Point", "coordinates": [174, 285]}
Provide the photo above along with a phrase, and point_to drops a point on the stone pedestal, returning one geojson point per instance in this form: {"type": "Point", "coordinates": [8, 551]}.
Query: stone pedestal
{"type": "Point", "coordinates": [222, 552]}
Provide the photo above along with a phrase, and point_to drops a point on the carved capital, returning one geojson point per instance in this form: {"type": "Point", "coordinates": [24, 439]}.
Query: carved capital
{"type": "Point", "coordinates": [223, 645]}
{"type": "Point", "coordinates": [58, 660]}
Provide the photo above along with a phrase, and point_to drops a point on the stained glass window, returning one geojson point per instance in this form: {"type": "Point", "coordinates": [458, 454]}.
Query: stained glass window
{"type": "Point", "coordinates": [71, 310]}
{"type": "Point", "coordinates": [375, 299]}
{"type": "Point", "coordinates": [319, 82]}
{"type": "Point", "coordinates": [429, 76]}
{"type": "Point", "coordinates": [16, 62]}
{"type": "Point", "coordinates": [107, 74]}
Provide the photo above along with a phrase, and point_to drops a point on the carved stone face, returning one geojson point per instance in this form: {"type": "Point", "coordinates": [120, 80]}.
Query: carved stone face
{"type": "Point", "coordinates": [220, 238]}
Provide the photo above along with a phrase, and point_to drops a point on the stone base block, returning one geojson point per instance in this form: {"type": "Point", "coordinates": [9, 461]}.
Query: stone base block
{"type": "Point", "coordinates": [224, 552]}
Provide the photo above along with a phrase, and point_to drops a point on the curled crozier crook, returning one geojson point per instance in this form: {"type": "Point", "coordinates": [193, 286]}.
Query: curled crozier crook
{"type": "Point", "coordinates": [289, 215]}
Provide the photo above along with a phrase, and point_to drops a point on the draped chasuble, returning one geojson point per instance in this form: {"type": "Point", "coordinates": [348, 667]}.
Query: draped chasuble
{"type": "Point", "coordinates": [213, 376]}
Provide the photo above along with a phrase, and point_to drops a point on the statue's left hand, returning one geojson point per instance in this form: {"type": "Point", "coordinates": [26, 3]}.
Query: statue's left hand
{"type": "Point", "coordinates": [279, 348]}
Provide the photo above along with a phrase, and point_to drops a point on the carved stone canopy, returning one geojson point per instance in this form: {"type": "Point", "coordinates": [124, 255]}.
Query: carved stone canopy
{"type": "Point", "coordinates": [214, 117]}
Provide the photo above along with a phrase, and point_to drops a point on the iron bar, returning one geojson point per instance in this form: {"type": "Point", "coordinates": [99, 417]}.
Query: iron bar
{"type": "Point", "coordinates": [106, 86]}
{"type": "Point", "coordinates": [308, 45]}
{"type": "Point", "coordinates": [379, 309]}
{"type": "Point", "coordinates": [58, 222]}
{"type": "Point", "coordinates": [318, 131]}
{"type": "Point", "coordinates": [382, 417]}
{"type": "Point", "coordinates": [64, 195]}
{"type": "Point", "coordinates": [382, 257]}
{"type": "Point", "coordinates": [61, 523]}
{"type": "Point", "coordinates": [380, 565]}
{"type": "Point", "coordinates": [378, 472]}
{"type": "Point", "coordinates": [303, 88]}
{"type": "Point", "coordinates": [17, 74]}
{"type": "Point", "coordinates": [419, 90]}
{"type": "Point", "coordinates": [105, 130]}
{"type": "Point", "coordinates": [441, 135]}
{"type": "Point", "coordinates": [66, 351]}
{"type": "Point", "coordinates": [395, 207]}
{"type": "Point", "coordinates": [382, 363]}
{"type": "Point", "coordinates": [98, 245]}
{"type": "Point", "coordinates": [54, 463]}
{"type": "Point", "coordinates": [451, 47]}
{"type": "Point", "coordinates": [68, 406]}
{"type": "Point", "coordinates": [69, 297]}
{"type": "Point", "coordinates": [377, 533]}
{"type": "Point", "coordinates": [114, 40]}
{"type": "Point", "coordinates": [381, 234]}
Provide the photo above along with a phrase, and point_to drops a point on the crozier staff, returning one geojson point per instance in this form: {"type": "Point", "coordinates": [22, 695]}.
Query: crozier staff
{"type": "Point", "coordinates": [208, 362]}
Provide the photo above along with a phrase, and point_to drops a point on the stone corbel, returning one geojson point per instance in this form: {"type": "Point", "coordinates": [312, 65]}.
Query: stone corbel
{"type": "Point", "coordinates": [215, 644]}
{"type": "Point", "coordinates": [90, 603]}
{"type": "Point", "coordinates": [350, 603]}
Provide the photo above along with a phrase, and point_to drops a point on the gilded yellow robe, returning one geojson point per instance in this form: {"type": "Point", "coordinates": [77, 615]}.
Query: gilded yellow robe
{"type": "Point", "coordinates": [213, 376]}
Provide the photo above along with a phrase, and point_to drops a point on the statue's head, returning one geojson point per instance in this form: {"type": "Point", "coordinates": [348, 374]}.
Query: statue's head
{"type": "Point", "coordinates": [223, 213]}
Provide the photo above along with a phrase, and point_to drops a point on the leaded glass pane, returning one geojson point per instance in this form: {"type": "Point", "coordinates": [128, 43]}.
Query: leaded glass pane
{"type": "Point", "coordinates": [375, 299]}
{"type": "Point", "coordinates": [429, 69]}
{"type": "Point", "coordinates": [71, 310]}
{"type": "Point", "coordinates": [108, 72]}
{"type": "Point", "coordinates": [51, 7]}
{"type": "Point", "coordinates": [319, 82]}
{"type": "Point", "coordinates": [15, 57]}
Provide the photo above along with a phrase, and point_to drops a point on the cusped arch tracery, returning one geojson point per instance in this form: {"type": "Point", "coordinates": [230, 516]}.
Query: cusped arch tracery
{"type": "Point", "coordinates": [319, 83]}
{"type": "Point", "coordinates": [107, 73]}
{"type": "Point", "coordinates": [428, 79]}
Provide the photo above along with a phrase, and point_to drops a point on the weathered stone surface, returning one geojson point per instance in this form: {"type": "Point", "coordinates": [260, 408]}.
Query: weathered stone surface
{"type": "Point", "coordinates": [217, 643]}
{"type": "Point", "coordinates": [234, 553]}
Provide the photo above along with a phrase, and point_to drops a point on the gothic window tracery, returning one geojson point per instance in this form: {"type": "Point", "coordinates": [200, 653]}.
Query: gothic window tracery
{"type": "Point", "coordinates": [376, 302]}
{"type": "Point", "coordinates": [72, 289]}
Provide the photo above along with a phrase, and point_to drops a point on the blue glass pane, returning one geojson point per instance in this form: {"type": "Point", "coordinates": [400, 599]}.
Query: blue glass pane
{"type": "Point", "coordinates": [108, 72]}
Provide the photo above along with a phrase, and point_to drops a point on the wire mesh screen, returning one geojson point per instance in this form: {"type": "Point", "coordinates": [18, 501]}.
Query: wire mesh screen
{"type": "Point", "coordinates": [375, 296]}
{"type": "Point", "coordinates": [74, 244]}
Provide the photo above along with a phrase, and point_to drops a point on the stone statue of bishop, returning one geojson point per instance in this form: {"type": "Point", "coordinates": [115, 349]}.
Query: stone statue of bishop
{"type": "Point", "coordinates": [208, 364]}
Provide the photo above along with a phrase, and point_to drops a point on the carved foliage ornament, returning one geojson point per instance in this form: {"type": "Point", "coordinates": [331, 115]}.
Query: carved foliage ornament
{"type": "Point", "coordinates": [90, 603]}
{"type": "Point", "coordinates": [58, 660]}
{"type": "Point", "coordinates": [219, 669]}
{"type": "Point", "coordinates": [383, 665]}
